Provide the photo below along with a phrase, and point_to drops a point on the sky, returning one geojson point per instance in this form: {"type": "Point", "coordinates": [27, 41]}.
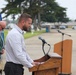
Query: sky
{"type": "Point", "coordinates": [71, 7]}
{"type": "Point", "coordinates": [69, 4]}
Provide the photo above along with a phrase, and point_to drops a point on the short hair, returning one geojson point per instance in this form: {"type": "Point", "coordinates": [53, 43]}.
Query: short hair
{"type": "Point", "coordinates": [24, 16]}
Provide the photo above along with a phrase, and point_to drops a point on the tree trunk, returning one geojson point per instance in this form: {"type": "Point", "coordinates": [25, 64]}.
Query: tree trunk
{"type": "Point", "coordinates": [39, 20]}
{"type": "Point", "coordinates": [35, 25]}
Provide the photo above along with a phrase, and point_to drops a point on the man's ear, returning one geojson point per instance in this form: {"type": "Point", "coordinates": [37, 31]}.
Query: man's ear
{"type": "Point", "coordinates": [23, 22]}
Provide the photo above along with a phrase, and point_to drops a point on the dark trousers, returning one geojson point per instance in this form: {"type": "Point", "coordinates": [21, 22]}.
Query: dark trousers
{"type": "Point", "coordinates": [13, 69]}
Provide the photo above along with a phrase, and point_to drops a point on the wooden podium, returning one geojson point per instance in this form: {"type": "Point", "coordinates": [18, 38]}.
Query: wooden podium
{"type": "Point", "coordinates": [50, 65]}
{"type": "Point", "coordinates": [66, 54]}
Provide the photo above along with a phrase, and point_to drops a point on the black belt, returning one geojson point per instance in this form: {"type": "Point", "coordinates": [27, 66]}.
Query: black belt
{"type": "Point", "coordinates": [15, 64]}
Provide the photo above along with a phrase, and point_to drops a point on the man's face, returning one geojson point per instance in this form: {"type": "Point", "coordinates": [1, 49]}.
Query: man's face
{"type": "Point", "coordinates": [27, 24]}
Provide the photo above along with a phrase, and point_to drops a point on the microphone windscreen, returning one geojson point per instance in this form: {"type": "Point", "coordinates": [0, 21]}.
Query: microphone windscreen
{"type": "Point", "coordinates": [39, 37]}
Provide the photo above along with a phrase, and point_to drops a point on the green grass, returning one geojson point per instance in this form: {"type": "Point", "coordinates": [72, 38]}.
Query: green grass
{"type": "Point", "coordinates": [28, 34]}
{"type": "Point", "coordinates": [5, 33]}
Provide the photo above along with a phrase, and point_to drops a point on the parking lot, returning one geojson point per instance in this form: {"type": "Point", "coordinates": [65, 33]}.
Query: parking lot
{"type": "Point", "coordinates": [34, 46]}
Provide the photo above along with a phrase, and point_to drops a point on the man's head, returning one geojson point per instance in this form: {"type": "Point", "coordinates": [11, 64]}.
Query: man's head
{"type": "Point", "coordinates": [2, 25]}
{"type": "Point", "coordinates": [25, 21]}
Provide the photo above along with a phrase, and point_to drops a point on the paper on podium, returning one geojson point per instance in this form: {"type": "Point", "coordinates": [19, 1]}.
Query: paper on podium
{"type": "Point", "coordinates": [55, 55]}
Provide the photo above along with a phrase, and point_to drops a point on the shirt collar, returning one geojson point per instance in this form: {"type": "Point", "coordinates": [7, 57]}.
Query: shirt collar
{"type": "Point", "coordinates": [19, 29]}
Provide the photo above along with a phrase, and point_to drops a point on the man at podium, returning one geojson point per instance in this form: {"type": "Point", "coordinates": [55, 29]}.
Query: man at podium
{"type": "Point", "coordinates": [16, 55]}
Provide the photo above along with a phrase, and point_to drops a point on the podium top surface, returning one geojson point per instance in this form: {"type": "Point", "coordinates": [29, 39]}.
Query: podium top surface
{"type": "Point", "coordinates": [55, 55]}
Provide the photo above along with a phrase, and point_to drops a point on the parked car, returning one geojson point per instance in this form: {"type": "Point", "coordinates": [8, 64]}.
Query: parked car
{"type": "Point", "coordinates": [74, 27]}
{"type": "Point", "coordinates": [53, 27]}
{"type": "Point", "coordinates": [62, 27]}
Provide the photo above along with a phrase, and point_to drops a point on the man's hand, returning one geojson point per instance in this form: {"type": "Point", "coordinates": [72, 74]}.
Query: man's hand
{"type": "Point", "coordinates": [35, 63]}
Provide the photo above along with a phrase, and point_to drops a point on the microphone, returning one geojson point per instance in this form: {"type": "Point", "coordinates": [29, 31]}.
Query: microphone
{"type": "Point", "coordinates": [63, 33]}
{"type": "Point", "coordinates": [43, 41]}
{"type": "Point", "coordinates": [59, 31]}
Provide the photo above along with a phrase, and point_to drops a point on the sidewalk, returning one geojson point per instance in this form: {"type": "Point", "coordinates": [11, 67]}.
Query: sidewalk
{"type": "Point", "coordinates": [34, 46]}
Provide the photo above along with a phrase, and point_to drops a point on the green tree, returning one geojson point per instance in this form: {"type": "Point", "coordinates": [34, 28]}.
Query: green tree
{"type": "Point", "coordinates": [45, 10]}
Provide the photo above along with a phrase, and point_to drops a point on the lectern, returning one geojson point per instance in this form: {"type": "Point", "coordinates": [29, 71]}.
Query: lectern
{"type": "Point", "coordinates": [66, 52]}
{"type": "Point", "coordinates": [49, 65]}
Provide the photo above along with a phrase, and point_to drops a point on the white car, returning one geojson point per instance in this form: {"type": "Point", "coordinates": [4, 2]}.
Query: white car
{"type": "Point", "coordinates": [53, 27]}
{"type": "Point", "coordinates": [62, 27]}
{"type": "Point", "coordinates": [74, 27]}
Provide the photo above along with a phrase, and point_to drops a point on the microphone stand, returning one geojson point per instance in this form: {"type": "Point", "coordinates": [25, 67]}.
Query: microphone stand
{"type": "Point", "coordinates": [43, 43]}
{"type": "Point", "coordinates": [62, 46]}
{"type": "Point", "coordinates": [62, 50]}
{"type": "Point", "coordinates": [43, 48]}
